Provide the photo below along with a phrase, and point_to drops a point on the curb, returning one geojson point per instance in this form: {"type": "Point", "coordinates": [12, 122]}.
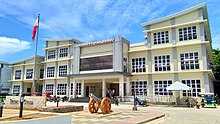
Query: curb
{"type": "Point", "coordinates": [151, 119]}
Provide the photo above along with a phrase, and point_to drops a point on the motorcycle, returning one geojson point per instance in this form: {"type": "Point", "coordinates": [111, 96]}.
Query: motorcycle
{"type": "Point", "coordinates": [64, 99]}
{"type": "Point", "coordinates": [48, 96]}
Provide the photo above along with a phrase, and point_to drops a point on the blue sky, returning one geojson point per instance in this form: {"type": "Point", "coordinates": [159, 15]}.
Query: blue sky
{"type": "Point", "coordinates": [86, 20]}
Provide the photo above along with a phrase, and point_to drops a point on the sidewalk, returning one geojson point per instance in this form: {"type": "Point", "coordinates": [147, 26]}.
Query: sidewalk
{"type": "Point", "coordinates": [116, 117]}
{"type": "Point", "coordinates": [122, 114]}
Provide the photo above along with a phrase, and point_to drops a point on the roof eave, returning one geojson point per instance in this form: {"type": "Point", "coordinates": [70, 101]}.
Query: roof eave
{"type": "Point", "coordinates": [202, 5]}
{"type": "Point", "coordinates": [63, 39]}
{"type": "Point", "coordinates": [29, 58]}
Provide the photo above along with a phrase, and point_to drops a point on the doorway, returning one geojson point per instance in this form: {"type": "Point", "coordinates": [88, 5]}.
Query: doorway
{"type": "Point", "coordinates": [87, 91]}
{"type": "Point", "coordinates": [116, 88]}
{"type": "Point", "coordinates": [90, 89]}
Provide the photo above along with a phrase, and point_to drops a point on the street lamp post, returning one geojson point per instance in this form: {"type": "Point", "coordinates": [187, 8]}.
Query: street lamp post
{"type": "Point", "coordinates": [21, 105]}
{"type": "Point", "coordinates": [135, 107]}
{"type": "Point", "coordinates": [1, 107]}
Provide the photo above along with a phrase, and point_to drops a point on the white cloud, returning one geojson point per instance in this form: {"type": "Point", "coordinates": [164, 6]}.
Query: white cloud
{"type": "Point", "coordinates": [12, 45]}
{"type": "Point", "coordinates": [88, 20]}
{"type": "Point", "coordinates": [82, 18]}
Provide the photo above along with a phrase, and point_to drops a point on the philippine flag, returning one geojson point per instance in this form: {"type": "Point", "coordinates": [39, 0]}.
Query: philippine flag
{"type": "Point", "coordinates": [35, 29]}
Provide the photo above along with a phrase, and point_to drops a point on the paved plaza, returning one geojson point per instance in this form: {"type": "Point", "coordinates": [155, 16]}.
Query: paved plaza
{"type": "Point", "coordinates": [152, 114]}
{"type": "Point", "coordinates": [173, 115]}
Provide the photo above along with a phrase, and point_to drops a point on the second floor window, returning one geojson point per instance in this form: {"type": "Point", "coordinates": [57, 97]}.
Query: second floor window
{"type": "Point", "coordinates": [51, 54]}
{"type": "Point", "coordinates": [189, 61]}
{"type": "Point", "coordinates": [62, 70]}
{"type": "Point", "coordinates": [187, 33]}
{"type": "Point", "coordinates": [138, 65]}
{"type": "Point", "coordinates": [50, 71]}
{"type": "Point", "coordinates": [161, 37]}
{"type": "Point", "coordinates": [29, 73]}
{"type": "Point", "coordinates": [41, 73]}
{"type": "Point", "coordinates": [18, 74]}
{"type": "Point", "coordinates": [162, 63]}
{"type": "Point", "coordinates": [63, 52]}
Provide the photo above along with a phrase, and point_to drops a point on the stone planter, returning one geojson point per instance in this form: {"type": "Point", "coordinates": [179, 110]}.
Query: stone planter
{"type": "Point", "coordinates": [61, 109]}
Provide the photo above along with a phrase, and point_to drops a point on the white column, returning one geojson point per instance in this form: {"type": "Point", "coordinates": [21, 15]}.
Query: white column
{"type": "Point", "coordinates": [55, 87]}
{"type": "Point", "coordinates": [127, 86]}
{"type": "Point", "coordinates": [74, 88]}
{"type": "Point", "coordinates": [121, 87]}
{"type": "Point", "coordinates": [82, 88]}
{"type": "Point", "coordinates": [43, 88]}
{"type": "Point", "coordinates": [68, 87]}
{"type": "Point", "coordinates": [103, 88]}
{"type": "Point", "coordinates": [21, 88]}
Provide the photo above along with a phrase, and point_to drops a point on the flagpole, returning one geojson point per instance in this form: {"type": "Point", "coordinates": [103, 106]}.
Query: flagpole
{"type": "Point", "coordinates": [35, 59]}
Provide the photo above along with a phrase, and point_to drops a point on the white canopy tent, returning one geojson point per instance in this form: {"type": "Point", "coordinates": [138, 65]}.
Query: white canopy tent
{"type": "Point", "coordinates": [178, 86]}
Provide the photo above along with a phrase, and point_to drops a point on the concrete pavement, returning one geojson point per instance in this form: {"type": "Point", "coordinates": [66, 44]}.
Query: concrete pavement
{"type": "Point", "coordinates": [174, 115]}
{"type": "Point", "coordinates": [124, 114]}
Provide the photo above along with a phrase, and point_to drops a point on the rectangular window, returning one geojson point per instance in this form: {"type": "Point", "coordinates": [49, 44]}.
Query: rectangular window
{"type": "Point", "coordinates": [16, 89]}
{"type": "Point", "coordinates": [62, 70]}
{"type": "Point", "coordinates": [140, 87]}
{"type": "Point", "coordinates": [63, 52]}
{"type": "Point", "coordinates": [50, 71]}
{"type": "Point", "coordinates": [61, 89]}
{"type": "Point", "coordinates": [161, 37]}
{"type": "Point", "coordinates": [125, 63]}
{"type": "Point", "coordinates": [189, 61]}
{"type": "Point", "coordinates": [78, 88]}
{"type": "Point", "coordinates": [51, 54]}
{"type": "Point", "coordinates": [29, 73]}
{"type": "Point", "coordinates": [49, 88]}
{"type": "Point", "coordinates": [195, 85]}
{"type": "Point", "coordinates": [71, 89]}
{"type": "Point", "coordinates": [18, 74]}
{"type": "Point", "coordinates": [41, 73]}
{"type": "Point", "coordinates": [160, 87]}
{"type": "Point", "coordinates": [96, 63]}
{"type": "Point", "coordinates": [162, 63]}
{"type": "Point", "coordinates": [187, 33]}
{"type": "Point", "coordinates": [138, 65]}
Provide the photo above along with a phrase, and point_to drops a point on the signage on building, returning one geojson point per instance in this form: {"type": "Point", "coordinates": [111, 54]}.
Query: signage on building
{"type": "Point", "coordinates": [97, 42]}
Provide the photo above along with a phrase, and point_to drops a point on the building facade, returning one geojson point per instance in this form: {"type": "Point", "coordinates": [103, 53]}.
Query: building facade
{"type": "Point", "coordinates": [178, 48]}
{"type": "Point", "coordinates": [5, 71]}
{"type": "Point", "coordinates": [23, 74]}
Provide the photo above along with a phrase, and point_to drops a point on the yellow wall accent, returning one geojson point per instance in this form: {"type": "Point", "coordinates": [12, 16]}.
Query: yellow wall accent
{"type": "Point", "coordinates": [63, 42]}
{"type": "Point", "coordinates": [161, 24]}
{"type": "Point", "coordinates": [52, 43]}
{"type": "Point", "coordinates": [102, 48]}
{"type": "Point", "coordinates": [193, 16]}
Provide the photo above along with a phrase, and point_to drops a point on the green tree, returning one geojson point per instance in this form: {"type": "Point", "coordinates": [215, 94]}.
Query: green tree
{"type": "Point", "coordinates": [216, 64]}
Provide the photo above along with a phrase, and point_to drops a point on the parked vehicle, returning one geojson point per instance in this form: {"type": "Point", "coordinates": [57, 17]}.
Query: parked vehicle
{"type": "Point", "coordinates": [208, 100]}
{"type": "Point", "coordinates": [143, 102]}
{"type": "Point", "coordinates": [49, 97]}
{"type": "Point", "coordinates": [64, 99]}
